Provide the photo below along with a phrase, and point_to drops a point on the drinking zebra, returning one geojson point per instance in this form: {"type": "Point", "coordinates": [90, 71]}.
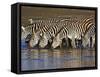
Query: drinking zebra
{"type": "Point", "coordinates": [50, 33]}
{"type": "Point", "coordinates": [39, 34]}
{"type": "Point", "coordinates": [28, 33]}
{"type": "Point", "coordinates": [62, 34]}
{"type": "Point", "coordinates": [40, 30]}
{"type": "Point", "coordinates": [45, 30]}
{"type": "Point", "coordinates": [75, 30]}
{"type": "Point", "coordinates": [36, 28]}
{"type": "Point", "coordinates": [89, 38]}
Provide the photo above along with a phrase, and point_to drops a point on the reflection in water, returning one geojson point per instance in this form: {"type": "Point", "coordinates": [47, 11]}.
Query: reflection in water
{"type": "Point", "coordinates": [35, 59]}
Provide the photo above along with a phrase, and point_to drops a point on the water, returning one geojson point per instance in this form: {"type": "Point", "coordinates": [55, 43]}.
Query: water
{"type": "Point", "coordinates": [37, 59]}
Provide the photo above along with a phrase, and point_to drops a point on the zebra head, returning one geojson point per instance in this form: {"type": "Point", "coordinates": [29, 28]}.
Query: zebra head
{"type": "Point", "coordinates": [30, 21]}
{"type": "Point", "coordinates": [30, 36]}
{"type": "Point", "coordinates": [44, 40]}
{"type": "Point", "coordinates": [24, 33]}
{"type": "Point", "coordinates": [56, 41]}
{"type": "Point", "coordinates": [34, 39]}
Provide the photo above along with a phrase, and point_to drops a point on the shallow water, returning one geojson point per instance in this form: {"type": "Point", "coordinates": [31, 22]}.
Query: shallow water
{"type": "Point", "coordinates": [35, 59]}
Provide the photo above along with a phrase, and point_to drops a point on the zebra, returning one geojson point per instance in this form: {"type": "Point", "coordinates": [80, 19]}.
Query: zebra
{"type": "Point", "coordinates": [54, 27]}
{"type": "Point", "coordinates": [37, 29]}
{"type": "Point", "coordinates": [41, 29]}
{"type": "Point", "coordinates": [89, 38]}
{"type": "Point", "coordinates": [75, 30]}
{"type": "Point", "coordinates": [57, 41]}
{"type": "Point", "coordinates": [86, 24]}
{"type": "Point", "coordinates": [62, 34]}
{"type": "Point", "coordinates": [25, 31]}
{"type": "Point", "coordinates": [28, 33]}
{"type": "Point", "coordinates": [50, 33]}
{"type": "Point", "coordinates": [29, 29]}
{"type": "Point", "coordinates": [38, 35]}
{"type": "Point", "coordinates": [44, 31]}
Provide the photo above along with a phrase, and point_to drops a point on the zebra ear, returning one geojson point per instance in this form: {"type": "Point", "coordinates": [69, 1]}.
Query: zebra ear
{"type": "Point", "coordinates": [23, 28]}
{"type": "Point", "coordinates": [30, 21]}
{"type": "Point", "coordinates": [58, 35]}
{"type": "Point", "coordinates": [41, 34]}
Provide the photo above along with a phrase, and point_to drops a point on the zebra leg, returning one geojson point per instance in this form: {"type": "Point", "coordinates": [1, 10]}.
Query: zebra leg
{"type": "Point", "coordinates": [90, 44]}
{"type": "Point", "coordinates": [73, 43]}
{"type": "Point", "coordinates": [60, 45]}
{"type": "Point", "coordinates": [76, 43]}
{"type": "Point", "coordinates": [93, 44]}
{"type": "Point", "coordinates": [85, 42]}
{"type": "Point", "coordinates": [67, 42]}
{"type": "Point", "coordinates": [79, 43]}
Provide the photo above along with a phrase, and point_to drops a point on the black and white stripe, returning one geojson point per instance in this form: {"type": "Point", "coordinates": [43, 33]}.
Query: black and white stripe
{"type": "Point", "coordinates": [76, 27]}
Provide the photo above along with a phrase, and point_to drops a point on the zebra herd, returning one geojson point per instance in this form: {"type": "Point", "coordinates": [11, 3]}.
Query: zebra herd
{"type": "Point", "coordinates": [76, 31]}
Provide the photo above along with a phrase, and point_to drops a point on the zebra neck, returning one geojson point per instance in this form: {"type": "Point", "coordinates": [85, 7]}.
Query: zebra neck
{"type": "Point", "coordinates": [48, 35]}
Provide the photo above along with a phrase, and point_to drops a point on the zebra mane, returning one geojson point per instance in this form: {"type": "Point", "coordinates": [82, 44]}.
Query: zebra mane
{"type": "Point", "coordinates": [59, 31]}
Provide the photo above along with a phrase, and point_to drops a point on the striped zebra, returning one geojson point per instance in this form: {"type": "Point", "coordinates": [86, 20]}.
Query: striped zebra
{"type": "Point", "coordinates": [37, 28]}
{"type": "Point", "coordinates": [39, 31]}
{"type": "Point", "coordinates": [38, 35]}
{"type": "Point", "coordinates": [89, 38]}
{"type": "Point", "coordinates": [28, 33]}
{"type": "Point", "coordinates": [29, 29]}
{"type": "Point", "coordinates": [47, 34]}
{"type": "Point", "coordinates": [75, 30]}
{"type": "Point", "coordinates": [50, 33]}
{"type": "Point", "coordinates": [62, 34]}
{"type": "Point", "coordinates": [88, 26]}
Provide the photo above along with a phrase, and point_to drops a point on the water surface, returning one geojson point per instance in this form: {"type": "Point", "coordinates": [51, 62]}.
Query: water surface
{"type": "Point", "coordinates": [37, 59]}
